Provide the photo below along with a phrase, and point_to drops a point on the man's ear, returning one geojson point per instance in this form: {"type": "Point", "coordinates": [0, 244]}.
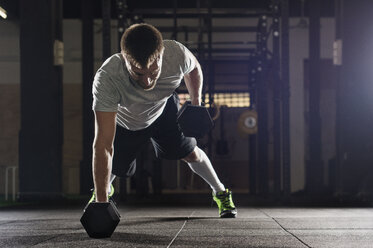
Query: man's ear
{"type": "Point", "coordinates": [162, 52]}
{"type": "Point", "coordinates": [126, 62]}
{"type": "Point", "coordinates": [123, 54]}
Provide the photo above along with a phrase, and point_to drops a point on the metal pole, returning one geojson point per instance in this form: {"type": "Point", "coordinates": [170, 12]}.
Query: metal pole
{"type": "Point", "coordinates": [253, 139]}
{"type": "Point", "coordinates": [122, 25]}
{"type": "Point", "coordinates": [314, 172]}
{"type": "Point", "coordinates": [211, 72]}
{"type": "Point", "coordinates": [106, 28]}
{"type": "Point", "coordinates": [122, 18]}
{"type": "Point", "coordinates": [14, 168]}
{"type": "Point", "coordinates": [262, 105]}
{"type": "Point", "coordinates": [276, 97]}
{"type": "Point", "coordinates": [174, 33]}
{"type": "Point", "coordinates": [339, 96]}
{"type": "Point", "coordinates": [6, 182]}
{"type": "Point", "coordinates": [285, 96]}
{"type": "Point", "coordinates": [86, 181]}
{"type": "Point", "coordinates": [201, 52]}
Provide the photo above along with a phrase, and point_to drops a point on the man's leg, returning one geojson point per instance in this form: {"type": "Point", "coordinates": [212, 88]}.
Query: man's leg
{"type": "Point", "coordinates": [112, 177]}
{"type": "Point", "coordinates": [170, 143]}
{"type": "Point", "coordinates": [201, 165]}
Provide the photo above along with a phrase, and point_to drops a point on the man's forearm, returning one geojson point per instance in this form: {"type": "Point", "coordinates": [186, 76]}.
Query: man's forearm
{"type": "Point", "coordinates": [194, 82]}
{"type": "Point", "coordinates": [102, 159]}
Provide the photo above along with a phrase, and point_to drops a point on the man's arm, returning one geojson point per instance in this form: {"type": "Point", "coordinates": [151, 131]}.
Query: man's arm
{"type": "Point", "coordinates": [194, 82]}
{"type": "Point", "coordinates": [103, 153]}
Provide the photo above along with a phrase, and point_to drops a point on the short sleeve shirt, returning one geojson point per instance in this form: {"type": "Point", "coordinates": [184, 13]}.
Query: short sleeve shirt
{"type": "Point", "coordinates": [114, 91]}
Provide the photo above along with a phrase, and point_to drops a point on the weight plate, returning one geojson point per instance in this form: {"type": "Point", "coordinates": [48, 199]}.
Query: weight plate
{"type": "Point", "coordinates": [248, 122]}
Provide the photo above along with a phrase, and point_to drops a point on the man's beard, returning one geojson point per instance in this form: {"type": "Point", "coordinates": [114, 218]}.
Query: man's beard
{"type": "Point", "coordinates": [150, 87]}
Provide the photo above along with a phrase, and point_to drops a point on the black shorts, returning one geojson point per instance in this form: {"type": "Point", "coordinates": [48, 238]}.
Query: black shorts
{"type": "Point", "coordinates": [165, 134]}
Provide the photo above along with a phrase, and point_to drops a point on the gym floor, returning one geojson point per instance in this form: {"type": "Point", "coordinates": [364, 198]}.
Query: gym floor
{"type": "Point", "coordinates": [192, 226]}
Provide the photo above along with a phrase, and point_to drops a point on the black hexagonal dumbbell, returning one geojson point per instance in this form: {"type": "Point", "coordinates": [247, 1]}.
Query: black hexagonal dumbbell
{"type": "Point", "coordinates": [194, 121]}
{"type": "Point", "coordinates": [100, 219]}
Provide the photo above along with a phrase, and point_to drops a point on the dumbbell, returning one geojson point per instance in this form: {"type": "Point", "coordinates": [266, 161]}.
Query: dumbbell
{"type": "Point", "coordinates": [194, 121]}
{"type": "Point", "coordinates": [100, 219]}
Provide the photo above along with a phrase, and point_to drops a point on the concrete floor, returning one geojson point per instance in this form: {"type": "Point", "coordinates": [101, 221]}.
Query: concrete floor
{"type": "Point", "coordinates": [193, 227]}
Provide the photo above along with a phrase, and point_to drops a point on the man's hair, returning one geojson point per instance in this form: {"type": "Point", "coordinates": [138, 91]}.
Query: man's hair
{"type": "Point", "coordinates": [141, 44]}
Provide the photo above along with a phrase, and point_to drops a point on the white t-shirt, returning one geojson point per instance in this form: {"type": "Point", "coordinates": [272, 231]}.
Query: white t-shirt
{"type": "Point", "coordinates": [114, 91]}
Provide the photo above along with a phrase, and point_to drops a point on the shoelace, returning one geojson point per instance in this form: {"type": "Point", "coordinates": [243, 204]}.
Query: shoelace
{"type": "Point", "coordinates": [226, 202]}
{"type": "Point", "coordinates": [109, 196]}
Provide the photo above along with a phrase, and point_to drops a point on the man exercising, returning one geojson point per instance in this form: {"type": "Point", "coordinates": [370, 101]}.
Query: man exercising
{"type": "Point", "coordinates": [134, 89]}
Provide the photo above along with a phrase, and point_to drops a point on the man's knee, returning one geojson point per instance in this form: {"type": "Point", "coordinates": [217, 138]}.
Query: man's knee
{"type": "Point", "coordinates": [194, 156]}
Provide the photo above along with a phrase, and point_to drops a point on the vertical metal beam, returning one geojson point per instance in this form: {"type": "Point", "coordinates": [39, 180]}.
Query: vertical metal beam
{"type": "Point", "coordinates": [41, 134]}
{"type": "Point", "coordinates": [315, 174]}
{"type": "Point", "coordinates": [211, 69]}
{"type": "Point", "coordinates": [285, 96]}
{"type": "Point", "coordinates": [276, 97]}
{"type": "Point", "coordinates": [122, 10]}
{"type": "Point", "coordinates": [174, 33]}
{"type": "Point", "coordinates": [210, 75]}
{"type": "Point", "coordinates": [338, 35]}
{"type": "Point", "coordinates": [262, 106]}
{"type": "Point", "coordinates": [201, 48]}
{"type": "Point", "coordinates": [186, 35]}
{"type": "Point", "coordinates": [253, 138]}
{"type": "Point", "coordinates": [86, 182]}
{"type": "Point", "coordinates": [106, 28]}
{"type": "Point", "coordinates": [253, 164]}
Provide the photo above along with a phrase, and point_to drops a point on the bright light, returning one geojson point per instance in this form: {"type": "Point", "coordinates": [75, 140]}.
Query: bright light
{"type": "Point", "coordinates": [3, 13]}
{"type": "Point", "coordinates": [232, 100]}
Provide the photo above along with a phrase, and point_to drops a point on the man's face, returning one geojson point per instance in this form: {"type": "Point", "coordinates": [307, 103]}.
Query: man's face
{"type": "Point", "coordinates": [145, 77]}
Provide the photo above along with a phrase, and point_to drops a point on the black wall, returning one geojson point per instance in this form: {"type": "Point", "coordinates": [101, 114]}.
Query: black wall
{"type": "Point", "coordinates": [355, 97]}
{"type": "Point", "coordinates": [41, 135]}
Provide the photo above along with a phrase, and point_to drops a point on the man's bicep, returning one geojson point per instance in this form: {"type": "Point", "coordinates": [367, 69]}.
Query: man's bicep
{"type": "Point", "coordinates": [105, 123]}
{"type": "Point", "coordinates": [190, 61]}
{"type": "Point", "coordinates": [106, 96]}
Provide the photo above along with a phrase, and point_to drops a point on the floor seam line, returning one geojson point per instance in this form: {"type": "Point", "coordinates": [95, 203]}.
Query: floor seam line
{"type": "Point", "coordinates": [47, 240]}
{"type": "Point", "coordinates": [11, 221]}
{"type": "Point", "coordinates": [292, 234]}
{"type": "Point", "coordinates": [283, 228]}
{"type": "Point", "coordinates": [182, 227]}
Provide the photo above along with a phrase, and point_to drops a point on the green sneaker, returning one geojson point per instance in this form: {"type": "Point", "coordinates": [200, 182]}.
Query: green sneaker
{"type": "Point", "coordinates": [110, 194]}
{"type": "Point", "coordinates": [225, 203]}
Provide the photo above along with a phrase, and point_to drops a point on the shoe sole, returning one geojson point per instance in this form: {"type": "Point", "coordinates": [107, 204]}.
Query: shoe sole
{"type": "Point", "coordinates": [228, 215]}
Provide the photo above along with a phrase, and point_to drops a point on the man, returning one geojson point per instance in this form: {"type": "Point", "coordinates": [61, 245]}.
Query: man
{"type": "Point", "coordinates": [135, 90]}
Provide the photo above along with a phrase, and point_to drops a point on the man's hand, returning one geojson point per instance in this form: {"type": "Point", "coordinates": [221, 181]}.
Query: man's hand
{"type": "Point", "coordinates": [196, 102]}
{"type": "Point", "coordinates": [103, 153]}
